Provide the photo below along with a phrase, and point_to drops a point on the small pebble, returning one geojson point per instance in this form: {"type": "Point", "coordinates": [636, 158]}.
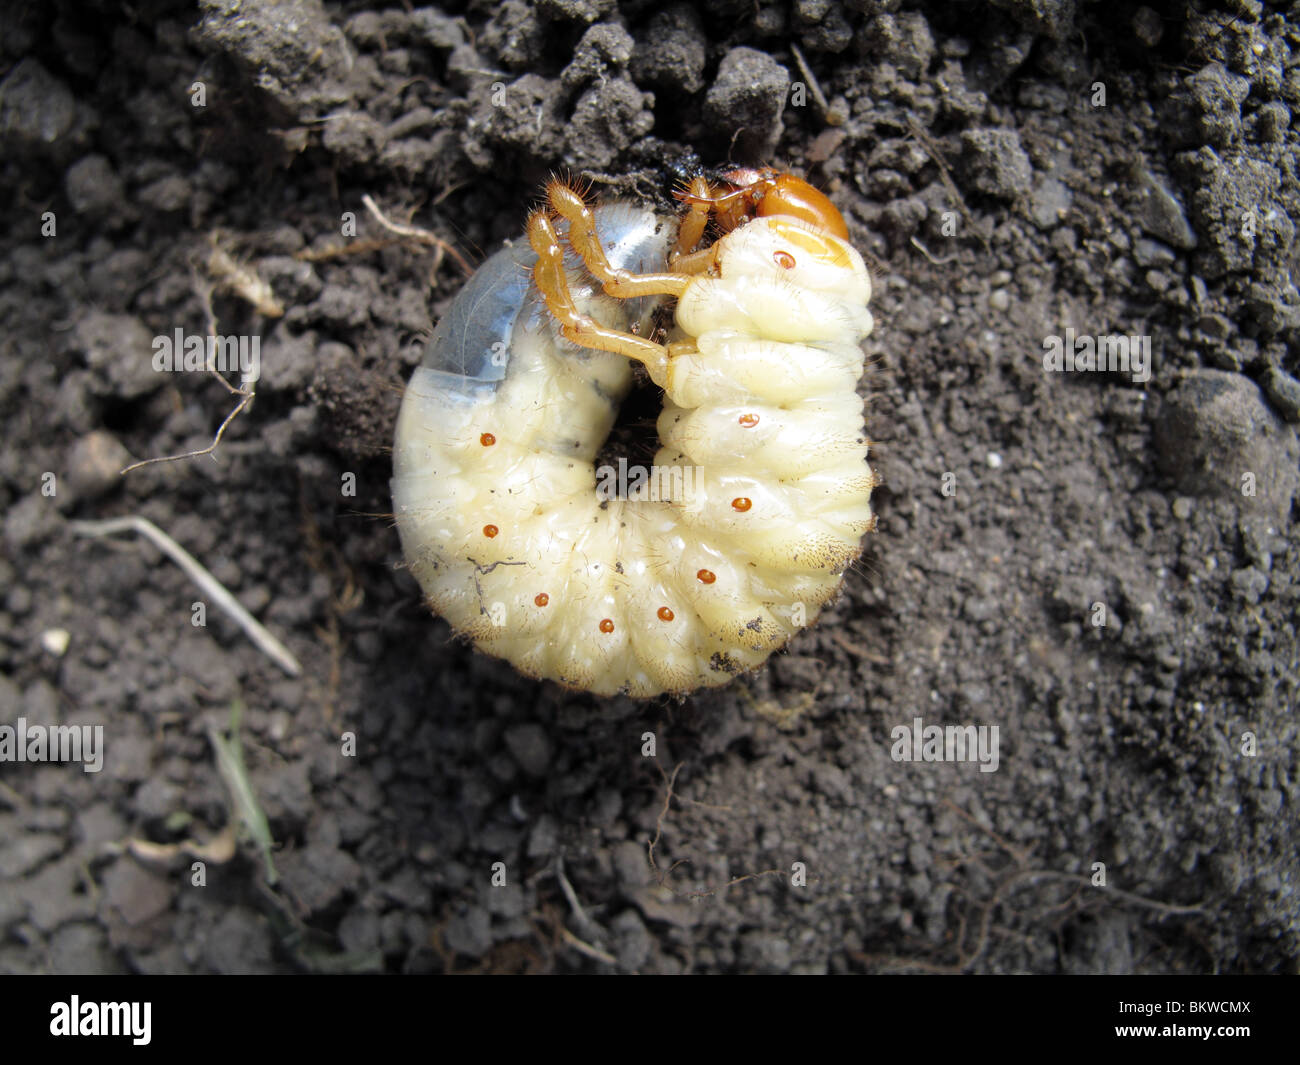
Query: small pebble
{"type": "Point", "coordinates": [56, 641]}
{"type": "Point", "coordinates": [95, 462]}
{"type": "Point", "coordinates": [1148, 27]}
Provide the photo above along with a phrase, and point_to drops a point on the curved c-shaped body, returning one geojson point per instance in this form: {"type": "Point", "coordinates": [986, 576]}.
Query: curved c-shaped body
{"type": "Point", "coordinates": [757, 501]}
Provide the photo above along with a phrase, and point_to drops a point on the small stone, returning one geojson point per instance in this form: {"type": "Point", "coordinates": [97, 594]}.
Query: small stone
{"type": "Point", "coordinates": [1215, 326]}
{"type": "Point", "coordinates": [1274, 307]}
{"type": "Point", "coordinates": [1050, 201]}
{"type": "Point", "coordinates": [746, 101]}
{"type": "Point", "coordinates": [95, 464]}
{"type": "Point", "coordinates": [240, 942]}
{"type": "Point", "coordinates": [544, 837]}
{"type": "Point", "coordinates": [999, 299]}
{"type": "Point", "coordinates": [1215, 435]}
{"type": "Point", "coordinates": [902, 218]}
{"type": "Point", "coordinates": [1231, 197]}
{"type": "Point", "coordinates": [157, 798]}
{"type": "Point", "coordinates": [56, 894]}
{"type": "Point", "coordinates": [993, 460]}
{"type": "Point", "coordinates": [56, 641]}
{"type": "Point", "coordinates": [32, 518]}
{"type": "Point", "coordinates": [631, 866]}
{"type": "Point", "coordinates": [36, 108]}
{"type": "Point", "coordinates": [19, 600]}
{"type": "Point", "coordinates": [433, 27]}
{"type": "Point", "coordinates": [530, 747]}
{"type": "Point", "coordinates": [82, 949]}
{"type": "Point", "coordinates": [633, 943]}
{"type": "Point", "coordinates": [531, 121]}
{"type": "Point", "coordinates": [319, 875]}
{"type": "Point", "coordinates": [764, 952]}
{"type": "Point", "coordinates": [903, 40]}
{"type": "Point", "coordinates": [574, 10]}
{"type": "Point", "coordinates": [1250, 584]}
{"type": "Point", "coordinates": [1148, 26]}
{"type": "Point", "coordinates": [359, 932]}
{"type": "Point", "coordinates": [1182, 508]}
{"type": "Point", "coordinates": [469, 932]}
{"type": "Point", "coordinates": [40, 705]}
{"type": "Point", "coordinates": [1283, 392]}
{"type": "Point", "coordinates": [507, 901]}
{"type": "Point", "coordinates": [514, 35]}
{"type": "Point", "coordinates": [1160, 213]}
{"type": "Point", "coordinates": [603, 50]}
{"type": "Point", "coordinates": [1272, 120]}
{"type": "Point", "coordinates": [1148, 252]}
{"type": "Point", "coordinates": [92, 186]}
{"type": "Point", "coordinates": [994, 163]}
{"type": "Point", "coordinates": [824, 27]}
{"type": "Point", "coordinates": [1054, 18]}
{"type": "Point", "coordinates": [167, 194]}
{"type": "Point", "coordinates": [282, 44]}
{"type": "Point", "coordinates": [119, 350]}
{"type": "Point", "coordinates": [25, 852]}
{"type": "Point", "coordinates": [1216, 97]}
{"type": "Point", "coordinates": [354, 137]}
{"type": "Point", "coordinates": [133, 895]}
{"type": "Point", "coordinates": [608, 117]}
{"type": "Point", "coordinates": [672, 54]}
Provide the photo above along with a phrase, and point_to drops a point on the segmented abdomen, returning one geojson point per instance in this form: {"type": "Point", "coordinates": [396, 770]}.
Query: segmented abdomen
{"type": "Point", "coordinates": [496, 494]}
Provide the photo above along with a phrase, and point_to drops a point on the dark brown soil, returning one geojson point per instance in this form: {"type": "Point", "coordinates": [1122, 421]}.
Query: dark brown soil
{"type": "Point", "coordinates": [1014, 168]}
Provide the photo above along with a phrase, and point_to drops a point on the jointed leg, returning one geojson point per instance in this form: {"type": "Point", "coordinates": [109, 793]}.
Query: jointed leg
{"type": "Point", "coordinates": [586, 242]}
{"type": "Point", "coordinates": [731, 208]}
{"type": "Point", "coordinates": [696, 262]}
{"type": "Point", "coordinates": [574, 325]}
{"type": "Point", "coordinates": [698, 199]}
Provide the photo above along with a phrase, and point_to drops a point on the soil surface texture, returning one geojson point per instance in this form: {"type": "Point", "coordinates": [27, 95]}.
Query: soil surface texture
{"type": "Point", "coordinates": [1097, 563]}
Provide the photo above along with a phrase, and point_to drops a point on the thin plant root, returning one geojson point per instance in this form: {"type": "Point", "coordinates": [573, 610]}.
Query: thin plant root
{"type": "Point", "coordinates": [662, 876]}
{"type": "Point", "coordinates": [208, 584]}
{"type": "Point", "coordinates": [242, 281]}
{"type": "Point", "coordinates": [246, 392]}
{"type": "Point", "coordinates": [415, 233]}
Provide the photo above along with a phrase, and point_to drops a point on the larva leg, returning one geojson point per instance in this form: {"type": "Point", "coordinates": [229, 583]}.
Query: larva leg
{"type": "Point", "coordinates": [699, 200]}
{"type": "Point", "coordinates": [702, 200]}
{"type": "Point", "coordinates": [574, 325]}
{"type": "Point", "coordinates": [586, 242]}
{"type": "Point", "coordinates": [697, 262]}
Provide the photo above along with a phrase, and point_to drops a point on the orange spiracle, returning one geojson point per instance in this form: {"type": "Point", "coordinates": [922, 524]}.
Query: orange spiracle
{"type": "Point", "coordinates": [665, 614]}
{"type": "Point", "coordinates": [606, 626]}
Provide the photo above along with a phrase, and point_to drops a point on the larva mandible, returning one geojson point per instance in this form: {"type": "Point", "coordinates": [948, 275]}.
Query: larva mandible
{"type": "Point", "coordinates": [496, 496]}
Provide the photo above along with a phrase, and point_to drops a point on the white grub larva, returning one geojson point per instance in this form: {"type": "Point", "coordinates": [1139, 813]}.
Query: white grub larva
{"type": "Point", "coordinates": [494, 486]}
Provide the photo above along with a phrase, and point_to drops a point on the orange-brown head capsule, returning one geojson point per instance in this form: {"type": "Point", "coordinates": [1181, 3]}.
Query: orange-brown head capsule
{"type": "Point", "coordinates": [795, 197]}
{"type": "Point", "coordinates": [766, 192]}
